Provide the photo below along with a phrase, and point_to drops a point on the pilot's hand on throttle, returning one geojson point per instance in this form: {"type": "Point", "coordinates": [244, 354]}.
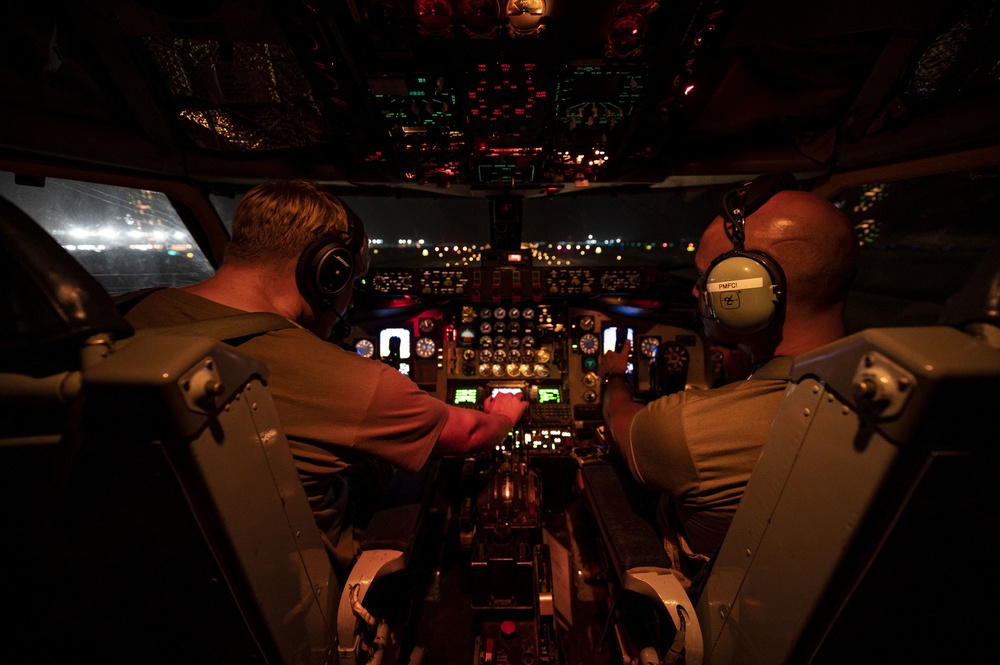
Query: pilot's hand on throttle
{"type": "Point", "coordinates": [614, 361]}
{"type": "Point", "coordinates": [506, 404]}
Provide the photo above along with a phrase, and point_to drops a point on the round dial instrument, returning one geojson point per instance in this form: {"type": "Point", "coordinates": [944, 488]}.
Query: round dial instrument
{"type": "Point", "coordinates": [527, 313]}
{"type": "Point", "coordinates": [542, 355]}
{"type": "Point", "coordinates": [485, 328]}
{"type": "Point", "coordinates": [589, 344]}
{"type": "Point", "coordinates": [499, 313]}
{"type": "Point", "coordinates": [426, 325]}
{"type": "Point", "coordinates": [425, 347]}
{"type": "Point", "coordinates": [648, 346]}
{"type": "Point", "coordinates": [586, 322]}
{"type": "Point", "coordinates": [514, 313]}
{"type": "Point", "coordinates": [485, 356]}
{"type": "Point", "coordinates": [364, 348]}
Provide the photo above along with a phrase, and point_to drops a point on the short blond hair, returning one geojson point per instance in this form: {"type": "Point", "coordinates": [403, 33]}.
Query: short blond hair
{"type": "Point", "coordinates": [275, 221]}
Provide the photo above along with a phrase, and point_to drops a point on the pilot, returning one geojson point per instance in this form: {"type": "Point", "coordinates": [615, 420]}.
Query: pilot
{"type": "Point", "coordinates": [774, 270]}
{"type": "Point", "coordinates": [296, 251]}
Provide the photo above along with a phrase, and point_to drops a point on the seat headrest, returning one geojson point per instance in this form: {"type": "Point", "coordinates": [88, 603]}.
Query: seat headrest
{"type": "Point", "coordinates": [50, 303]}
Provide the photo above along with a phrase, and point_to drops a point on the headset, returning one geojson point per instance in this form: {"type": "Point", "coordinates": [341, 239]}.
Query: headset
{"type": "Point", "coordinates": [743, 290]}
{"type": "Point", "coordinates": [329, 265]}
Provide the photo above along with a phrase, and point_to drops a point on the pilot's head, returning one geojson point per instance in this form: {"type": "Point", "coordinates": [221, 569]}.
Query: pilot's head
{"type": "Point", "coordinates": [296, 227]}
{"type": "Point", "coordinates": [813, 246]}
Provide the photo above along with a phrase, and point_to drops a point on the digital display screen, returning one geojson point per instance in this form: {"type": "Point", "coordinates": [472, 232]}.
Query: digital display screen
{"type": "Point", "coordinates": [466, 396]}
{"type": "Point", "coordinates": [611, 338]}
{"type": "Point", "coordinates": [512, 391]}
{"type": "Point", "coordinates": [552, 395]}
{"type": "Point", "coordinates": [404, 342]}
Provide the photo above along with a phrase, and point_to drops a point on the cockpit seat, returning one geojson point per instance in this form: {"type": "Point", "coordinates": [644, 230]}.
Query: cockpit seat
{"type": "Point", "coordinates": [151, 508]}
{"type": "Point", "coordinates": [386, 546]}
{"type": "Point", "coordinates": [639, 562]}
{"type": "Point", "coordinates": [864, 534]}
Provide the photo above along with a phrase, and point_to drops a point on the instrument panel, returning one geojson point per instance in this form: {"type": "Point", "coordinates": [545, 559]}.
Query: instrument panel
{"type": "Point", "coordinates": [511, 282]}
{"type": "Point", "coordinates": [477, 332]}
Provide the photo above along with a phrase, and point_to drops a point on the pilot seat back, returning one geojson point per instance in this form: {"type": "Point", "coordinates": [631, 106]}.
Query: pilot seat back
{"type": "Point", "coordinates": [865, 533]}
{"type": "Point", "coordinates": [151, 509]}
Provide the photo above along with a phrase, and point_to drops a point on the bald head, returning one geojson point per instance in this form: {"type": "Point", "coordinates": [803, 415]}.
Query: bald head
{"type": "Point", "coordinates": [811, 239]}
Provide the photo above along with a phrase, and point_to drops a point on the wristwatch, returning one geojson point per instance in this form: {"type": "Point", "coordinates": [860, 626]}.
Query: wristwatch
{"type": "Point", "coordinates": [607, 376]}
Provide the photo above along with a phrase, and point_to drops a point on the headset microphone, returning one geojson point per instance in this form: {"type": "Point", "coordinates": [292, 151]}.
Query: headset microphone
{"type": "Point", "coordinates": [342, 328]}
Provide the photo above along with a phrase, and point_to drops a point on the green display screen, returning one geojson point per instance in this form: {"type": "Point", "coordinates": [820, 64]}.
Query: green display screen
{"type": "Point", "coordinates": [549, 395]}
{"type": "Point", "coordinates": [466, 396]}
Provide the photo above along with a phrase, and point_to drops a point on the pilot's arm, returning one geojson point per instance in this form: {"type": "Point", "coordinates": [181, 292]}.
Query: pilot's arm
{"type": "Point", "coordinates": [470, 431]}
{"type": "Point", "coordinates": [619, 408]}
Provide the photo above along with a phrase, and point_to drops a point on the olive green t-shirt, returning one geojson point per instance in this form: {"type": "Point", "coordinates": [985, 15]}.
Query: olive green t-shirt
{"type": "Point", "coordinates": [338, 409]}
{"type": "Point", "coordinates": [700, 446]}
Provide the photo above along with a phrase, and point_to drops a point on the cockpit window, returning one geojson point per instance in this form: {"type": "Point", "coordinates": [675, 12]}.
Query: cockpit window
{"type": "Point", "coordinates": [127, 238]}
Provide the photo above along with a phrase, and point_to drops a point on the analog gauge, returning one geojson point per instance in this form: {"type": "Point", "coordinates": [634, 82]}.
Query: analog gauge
{"type": "Point", "coordinates": [499, 327]}
{"type": "Point", "coordinates": [485, 328]}
{"type": "Point", "coordinates": [590, 379]}
{"type": "Point", "coordinates": [676, 357]}
{"type": "Point", "coordinates": [527, 370]}
{"type": "Point", "coordinates": [499, 356]}
{"type": "Point", "coordinates": [485, 370]}
{"type": "Point", "coordinates": [498, 370]}
{"type": "Point", "coordinates": [499, 342]}
{"type": "Point", "coordinates": [528, 342]}
{"type": "Point", "coordinates": [426, 325]}
{"type": "Point", "coordinates": [589, 344]}
{"type": "Point", "coordinates": [541, 371]}
{"type": "Point", "coordinates": [528, 355]}
{"type": "Point", "coordinates": [485, 356]}
{"type": "Point", "coordinates": [514, 313]}
{"type": "Point", "coordinates": [500, 313]}
{"type": "Point", "coordinates": [513, 342]}
{"type": "Point", "coordinates": [513, 369]}
{"type": "Point", "coordinates": [647, 346]}
{"type": "Point", "coordinates": [514, 355]}
{"type": "Point", "coordinates": [514, 327]}
{"type": "Point", "coordinates": [425, 347]}
{"type": "Point", "coordinates": [586, 323]}
{"type": "Point", "coordinates": [543, 355]}
{"type": "Point", "coordinates": [364, 348]}
{"type": "Point", "coordinates": [485, 313]}
{"type": "Point", "coordinates": [527, 313]}
{"type": "Point", "coordinates": [485, 342]}
{"type": "Point", "coordinates": [468, 354]}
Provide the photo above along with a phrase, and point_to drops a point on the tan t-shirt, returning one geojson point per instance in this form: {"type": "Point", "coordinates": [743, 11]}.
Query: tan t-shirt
{"type": "Point", "coordinates": [337, 409]}
{"type": "Point", "coordinates": [699, 446]}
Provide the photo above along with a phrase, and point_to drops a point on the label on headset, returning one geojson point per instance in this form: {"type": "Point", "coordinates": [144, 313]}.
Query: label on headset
{"type": "Point", "coordinates": [735, 285]}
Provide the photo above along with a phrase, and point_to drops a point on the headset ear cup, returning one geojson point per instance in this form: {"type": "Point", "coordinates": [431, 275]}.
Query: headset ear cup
{"type": "Point", "coordinates": [744, 291]}
{"type": "Point", "coordinates": [324, 269]}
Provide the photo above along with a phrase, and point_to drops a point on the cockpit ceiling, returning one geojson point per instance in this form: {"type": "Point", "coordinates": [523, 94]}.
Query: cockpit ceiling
{"type": "Point", "coordinates": [501, 93]}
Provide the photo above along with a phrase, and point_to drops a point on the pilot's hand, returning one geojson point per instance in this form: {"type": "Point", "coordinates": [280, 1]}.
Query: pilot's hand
{"type": "Point", "coordinates": [614, 361]}
{"type": "Point", "coordinates": [506, 404]}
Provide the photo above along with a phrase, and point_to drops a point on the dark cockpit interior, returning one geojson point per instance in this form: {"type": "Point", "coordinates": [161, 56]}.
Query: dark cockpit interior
{"type": "Point", "coordinates": [534, 177]}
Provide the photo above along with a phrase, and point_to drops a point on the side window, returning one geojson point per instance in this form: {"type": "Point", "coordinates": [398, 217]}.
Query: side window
{"type": "Point", "coordinates": [127, 238]}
